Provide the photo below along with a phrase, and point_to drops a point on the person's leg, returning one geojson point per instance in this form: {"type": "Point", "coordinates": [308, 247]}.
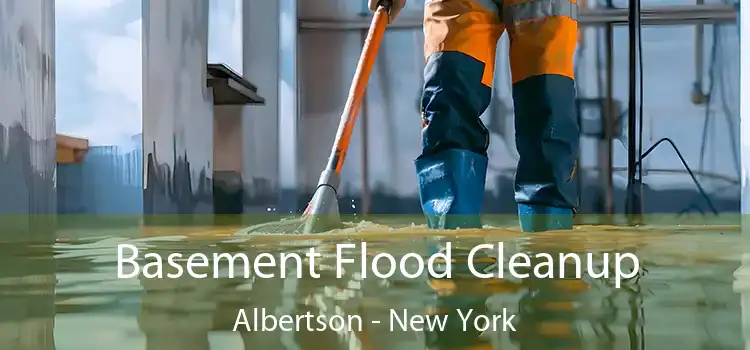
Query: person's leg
{"type": "Point", "coordinates": [460, 42]}
{"type": "Point", "coordinates": [544, 35]}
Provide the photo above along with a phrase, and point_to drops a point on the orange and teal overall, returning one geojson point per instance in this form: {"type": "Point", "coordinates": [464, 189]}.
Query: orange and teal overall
{"type": "Point", "coordinates": [461, 39]}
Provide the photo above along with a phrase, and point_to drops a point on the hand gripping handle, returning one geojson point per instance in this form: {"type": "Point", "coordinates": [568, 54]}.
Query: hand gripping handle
{"type": "Point", "coordinates": [386, 4]}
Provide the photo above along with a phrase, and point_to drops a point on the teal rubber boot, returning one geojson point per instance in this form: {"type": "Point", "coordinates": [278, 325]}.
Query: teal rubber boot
{"type": "Point", "coordinates": [451, 188]}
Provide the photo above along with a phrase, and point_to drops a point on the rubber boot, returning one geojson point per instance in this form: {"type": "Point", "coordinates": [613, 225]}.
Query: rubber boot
{"type": "Point", "coordinates": [536, 218]}
{"type": "Point", "coordinates": [451, 188]}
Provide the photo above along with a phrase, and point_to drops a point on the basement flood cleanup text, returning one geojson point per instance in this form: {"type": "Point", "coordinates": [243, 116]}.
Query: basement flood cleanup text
{"type": "Point", "coordinates": [354, 261]}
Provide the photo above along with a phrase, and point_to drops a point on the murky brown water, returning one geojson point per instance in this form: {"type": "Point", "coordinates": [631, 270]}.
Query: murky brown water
{"type": "Point", "coordinates": [67, 296]}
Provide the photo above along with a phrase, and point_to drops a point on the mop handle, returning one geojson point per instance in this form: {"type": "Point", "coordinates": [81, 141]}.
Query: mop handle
{"type": "Point", "coordinates": [357, 89]}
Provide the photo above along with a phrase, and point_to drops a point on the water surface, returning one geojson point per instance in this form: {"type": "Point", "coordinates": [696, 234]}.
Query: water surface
{"type": "Point", "coordinates": [66, 295]}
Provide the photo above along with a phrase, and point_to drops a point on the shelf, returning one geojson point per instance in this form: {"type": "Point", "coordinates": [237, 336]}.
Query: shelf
{"type": "Point", "coordinates": [229, 88]}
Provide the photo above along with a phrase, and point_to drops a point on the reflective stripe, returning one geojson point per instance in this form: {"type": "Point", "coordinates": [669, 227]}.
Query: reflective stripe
{"type": "Point", "coordinates": [489, 5]}
{"type": "Point", "coordinates": [538, 9]}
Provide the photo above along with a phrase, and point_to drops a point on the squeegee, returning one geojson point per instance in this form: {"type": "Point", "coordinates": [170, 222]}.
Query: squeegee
{"type": "Point", "coordinates": [322, 213]}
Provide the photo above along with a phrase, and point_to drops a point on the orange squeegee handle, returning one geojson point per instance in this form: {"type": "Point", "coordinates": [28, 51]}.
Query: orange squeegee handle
{"type": "Point", "coordinates": [357, 89]}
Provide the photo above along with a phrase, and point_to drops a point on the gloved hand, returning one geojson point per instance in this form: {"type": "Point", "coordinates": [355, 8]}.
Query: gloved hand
{"type": "Point", "coordinates": [396, 7]}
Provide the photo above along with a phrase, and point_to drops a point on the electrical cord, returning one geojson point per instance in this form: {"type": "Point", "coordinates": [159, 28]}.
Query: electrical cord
{"type": "Point", "coordinates": [703, 193]}
{"type": "Point", "coordinates": [642, 155]}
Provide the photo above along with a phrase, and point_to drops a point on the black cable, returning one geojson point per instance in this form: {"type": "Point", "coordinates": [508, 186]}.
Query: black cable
{"type": "Point", "coordinates": [709, 202]}
{"type": "Point", "coordinates": [691, 207]}
{"type": "Point", "coordinates": [690, 172]}
{"type": "Point", "coordinates": [599, 63]}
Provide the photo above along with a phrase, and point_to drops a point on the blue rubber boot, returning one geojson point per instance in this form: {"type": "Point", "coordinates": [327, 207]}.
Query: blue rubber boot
{"type": "Point", "coordinates": [451, 188]}
{"type": "Point", "coordinates": [536, 218]}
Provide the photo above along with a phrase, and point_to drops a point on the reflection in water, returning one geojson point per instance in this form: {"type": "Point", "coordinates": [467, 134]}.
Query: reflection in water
{"type": "Point", "coordinates": [27, 291]}
{"type": "Point", "coordinates": [177, 313]}
{"type": "Point", "coordinates": [685, 300]}
{"type": "Point", "coordinates": [553, 311]}
{"type": "Point", "coordinates": [170, 191]}
{"type": "Point", "coordinates": [549, 309]}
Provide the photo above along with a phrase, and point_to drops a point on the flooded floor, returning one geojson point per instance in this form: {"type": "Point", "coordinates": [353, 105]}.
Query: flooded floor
{"type": "Point", "coordinates": [67, 295]}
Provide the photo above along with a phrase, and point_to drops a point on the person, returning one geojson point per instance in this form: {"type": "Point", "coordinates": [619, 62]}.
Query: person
{"type": "Point", "coordinates": [460, 46]}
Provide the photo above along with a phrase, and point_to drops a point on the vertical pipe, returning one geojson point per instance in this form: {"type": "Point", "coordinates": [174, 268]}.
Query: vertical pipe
{"type": "Point", "coordinates": [605, 145]}
{"type": "Point", "coordinates": [633, 208]}
{"type": "Point", "coordinates": [288, 106]}
{"type": "Point", "coordinates": [699, 56]}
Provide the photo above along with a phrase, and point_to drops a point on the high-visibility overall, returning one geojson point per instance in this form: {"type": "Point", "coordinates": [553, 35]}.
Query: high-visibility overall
{"type": "Point", "coordinates": [460, 46]}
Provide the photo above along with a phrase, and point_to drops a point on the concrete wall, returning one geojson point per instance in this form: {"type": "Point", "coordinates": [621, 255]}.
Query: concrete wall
{"type": "Point", "coordinates": [177, 108]}
{"type": "Point", "coordinates": [260, 64]}
{"type": "Point", "coordinates": [27, 170]}
{"type": "Point", "coordinates": [27, 116]}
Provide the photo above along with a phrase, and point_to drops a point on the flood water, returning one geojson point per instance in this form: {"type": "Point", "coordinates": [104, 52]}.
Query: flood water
{"type": "Point", "coordinates": [66, 295]}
